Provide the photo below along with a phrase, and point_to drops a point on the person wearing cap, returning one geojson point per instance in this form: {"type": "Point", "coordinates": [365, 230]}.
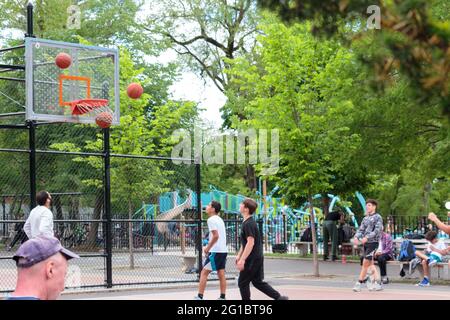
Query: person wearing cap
{"type": "Point", "coordinates": [41, 269]}
{"type": "Point", "coordinates": [40, 220]}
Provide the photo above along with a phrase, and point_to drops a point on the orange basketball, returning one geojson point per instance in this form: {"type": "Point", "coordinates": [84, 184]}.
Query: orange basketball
{"type": "Point", "coordinates": [135, 90]}
{"type": "Point", "coordinates": [63, 60]}
{"type": "Point", "coordinates": [104, 119]}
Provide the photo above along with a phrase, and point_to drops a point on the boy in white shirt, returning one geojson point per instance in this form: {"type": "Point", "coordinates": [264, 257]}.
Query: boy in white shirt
{"type": "Point", "coordinates": [216, 251]}
{"type": "Point", "coordinates": [432, 255]}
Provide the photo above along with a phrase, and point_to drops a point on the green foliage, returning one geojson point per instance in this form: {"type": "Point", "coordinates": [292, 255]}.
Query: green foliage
{"type": "Point", "coordinates": [291, 88]}
{"type": "Point", "coordinates": [414, 32]}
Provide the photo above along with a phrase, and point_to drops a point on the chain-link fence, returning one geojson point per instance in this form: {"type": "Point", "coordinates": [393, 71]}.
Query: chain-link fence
{"type": "Point", "coordinates": [132, 219]}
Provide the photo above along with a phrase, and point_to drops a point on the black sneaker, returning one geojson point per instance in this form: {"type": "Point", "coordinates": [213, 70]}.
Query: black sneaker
{"type": "Point", "coordinates": [283, 298]}
{"type": "Point", "coordinates": [325, 258]}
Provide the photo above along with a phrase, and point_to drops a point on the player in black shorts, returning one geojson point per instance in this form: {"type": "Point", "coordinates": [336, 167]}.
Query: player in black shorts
{"type": "Point", "coordinates": [369, 233]}
{"type": "Point", "coordinates": [250, 258]}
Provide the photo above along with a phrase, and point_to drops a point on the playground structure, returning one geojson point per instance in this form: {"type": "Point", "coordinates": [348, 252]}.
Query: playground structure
{"type": "Point", "coordinates": [280, 222]}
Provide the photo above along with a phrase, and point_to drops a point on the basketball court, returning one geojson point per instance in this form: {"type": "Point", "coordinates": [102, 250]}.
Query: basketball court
{"type": "Point", "coordinates": [294, 288]}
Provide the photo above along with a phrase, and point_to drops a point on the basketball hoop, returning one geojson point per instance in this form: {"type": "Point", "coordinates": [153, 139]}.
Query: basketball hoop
{"type": "Point", "coordinates": [94, 107]}
{"type": "Point", "coordinates": [84, 106]}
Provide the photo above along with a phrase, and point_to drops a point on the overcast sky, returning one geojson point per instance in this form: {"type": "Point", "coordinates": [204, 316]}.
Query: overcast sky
{"type": "Point", "coordinates": [192, 87]}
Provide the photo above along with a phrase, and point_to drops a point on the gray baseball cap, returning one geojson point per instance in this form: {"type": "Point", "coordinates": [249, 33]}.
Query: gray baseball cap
{"type": "Point", "coordinates": [39, 249]}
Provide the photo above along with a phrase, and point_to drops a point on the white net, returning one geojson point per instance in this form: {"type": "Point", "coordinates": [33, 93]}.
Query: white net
{"type": "Point", "coordinates": [96, 108]}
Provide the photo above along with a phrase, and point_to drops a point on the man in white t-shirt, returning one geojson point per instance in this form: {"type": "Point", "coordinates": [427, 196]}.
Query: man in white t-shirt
{"type": "Point", "coordinates": [40, 220]}
{"type": "Point", "coordinates": [216, 251]}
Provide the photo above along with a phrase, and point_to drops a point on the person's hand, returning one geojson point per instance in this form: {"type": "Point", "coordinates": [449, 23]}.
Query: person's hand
{"type": "Point", "coordinates": [364, 240]}
{"type": "Point", "coordinates": [432, 216]}
{"type": "Point", "coordinates": [378, 253]}
{"type": "Point", "coordinates": [240, 264]}
{"type": "Point", "coordinates": [205, 250]}
{"type": "Point", "coordinates": [355, 241]}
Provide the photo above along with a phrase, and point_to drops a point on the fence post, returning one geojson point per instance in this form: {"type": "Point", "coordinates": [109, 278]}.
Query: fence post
{"type": "Point", "coordinates": [236, 236]}
{"type": "Point", "coordinates": [32, 159]}
{"type": "Point", "coordinates": [4, 215]}
{"type": "Point", "coordinates": [107, 206]}
{"type": "Point", "coordinates": [31, 124]}
{"type": "Point", "coordinates": [199, 216]}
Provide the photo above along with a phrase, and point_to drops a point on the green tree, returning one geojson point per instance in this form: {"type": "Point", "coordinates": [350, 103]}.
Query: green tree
{"type": "Point", "coordinates": [289, 89]}
{"type": "Point", "coordinates": [413, 37]}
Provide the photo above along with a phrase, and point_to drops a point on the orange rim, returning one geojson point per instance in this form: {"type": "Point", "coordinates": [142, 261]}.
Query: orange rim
{"type": "Point", "coordinates": [83, 106]}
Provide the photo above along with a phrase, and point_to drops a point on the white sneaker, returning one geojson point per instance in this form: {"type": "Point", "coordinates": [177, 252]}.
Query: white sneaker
{"type": "Point", "coordinates": [376, 287]}
{"type": "Point", "coordinates": [197, 298]}
{"type": "Point", "coordinates": [357, 287]}
{"type": "Point", "coordinates": [369, 283]}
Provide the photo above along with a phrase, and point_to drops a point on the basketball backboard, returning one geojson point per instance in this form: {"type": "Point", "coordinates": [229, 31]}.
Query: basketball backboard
{"type": "Point", "coordinates": [93, 74]}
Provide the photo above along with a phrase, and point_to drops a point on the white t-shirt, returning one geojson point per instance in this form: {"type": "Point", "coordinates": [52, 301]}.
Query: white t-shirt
{"type": "Point", "coordinates": [216, 223]}
{"type": "Point", "coordinates": [438, 245]}
{"type": "Point", "coordinates": [39, 222]}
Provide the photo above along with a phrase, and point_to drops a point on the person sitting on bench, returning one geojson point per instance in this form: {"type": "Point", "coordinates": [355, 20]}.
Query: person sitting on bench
{"type": "Point", "coordinates": [432, 255]}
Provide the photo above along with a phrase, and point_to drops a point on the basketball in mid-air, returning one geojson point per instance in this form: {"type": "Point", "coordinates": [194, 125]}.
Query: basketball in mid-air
{"type": "Point", "coordinates": [104, 119]}
{"type": "Point", "coordinates": [63, 60]}
{"type": "Point", "coordinates": [135, 90]}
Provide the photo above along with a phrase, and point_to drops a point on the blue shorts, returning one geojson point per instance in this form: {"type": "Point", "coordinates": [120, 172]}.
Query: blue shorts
{"type": "Point", "coordinates": [434, 257]}
{"type": "Point", "coordinates": [216, 261]}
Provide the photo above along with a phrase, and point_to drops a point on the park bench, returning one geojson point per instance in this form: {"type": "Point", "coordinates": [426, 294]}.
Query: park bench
{"type": "Point", "coordinates": [420, 244]}
{"type": "Point", "coordinates": [304, 247]}
{"type": "Point", "coordinates": [189, 261]}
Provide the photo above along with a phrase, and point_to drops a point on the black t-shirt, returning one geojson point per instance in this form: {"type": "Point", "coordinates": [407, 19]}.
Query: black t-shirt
{"type": "Point", "coordinates": [250, 229]}
{"type": "Point", "coordinates": [333, 216]}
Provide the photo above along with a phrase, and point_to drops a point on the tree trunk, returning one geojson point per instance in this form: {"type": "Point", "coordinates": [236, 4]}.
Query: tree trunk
{"type": "Point", "coordinates": [183, 236]}
{"type": "Point", "coordinates": [251, 177]}
{"type": "Point", "coordinates": [326, 205]}
{"type": "Point", "coordinates": [130, 233]}
{"type": "Point", "coordinates": [91, 241]}
{"type": "Point", "coordinates": [59, 215]}
{"type": "Point", "coordinates": [74, 209]}
{"type": "Point", "coordinates": [266, 239]}
{"type": "Point", "coordinates": [426, 198]}
{"type": "Point", "coordinates": [314, 237]}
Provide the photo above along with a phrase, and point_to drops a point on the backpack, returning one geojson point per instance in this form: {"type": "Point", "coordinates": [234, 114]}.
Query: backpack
{"type": "Point", "coordinates": [307, 235]}
{"type": "Point", "coordinates": [407, 251]}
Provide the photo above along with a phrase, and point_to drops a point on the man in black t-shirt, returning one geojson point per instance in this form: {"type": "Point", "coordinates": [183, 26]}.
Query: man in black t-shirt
{"type": "Point", "coordinates": [330, 232]}
{"type": "Point", "coordinates": [250, 258]}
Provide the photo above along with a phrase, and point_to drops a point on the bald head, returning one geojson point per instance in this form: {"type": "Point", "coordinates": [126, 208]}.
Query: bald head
{"type": "Point", "coordinates": [44, 280]}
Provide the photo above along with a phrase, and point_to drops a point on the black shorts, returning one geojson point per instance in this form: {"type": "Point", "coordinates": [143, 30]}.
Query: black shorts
{"type": "Point", "coordinates": [369, 250]}
{"type": "Point", "coordinates": [215, 261]}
